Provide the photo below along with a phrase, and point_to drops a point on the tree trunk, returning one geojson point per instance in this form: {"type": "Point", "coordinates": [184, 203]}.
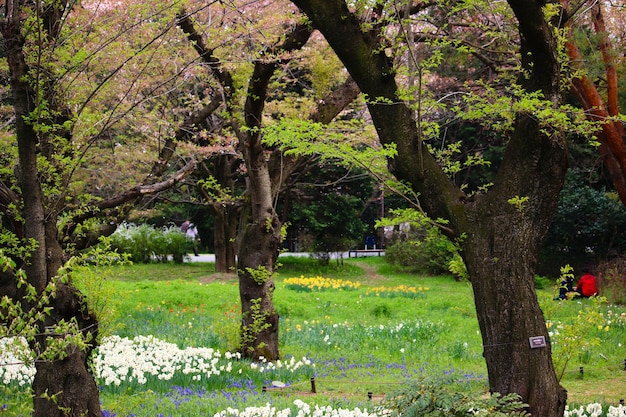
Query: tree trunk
{"type": "Point", "coordinates": [501, 254]}
{"type": "Point", "coordinates": [261, 238]}
{"type": "Point", "coordinates": [255, 266]}
{"type": "Point", "coordinates": [65, 387]}
{"type": "Point", "coordinates": [226, 219]}
{"type": "Point", "coordinates": [509, 315]}
{"type": "Point", "coordinates": [257, 256]}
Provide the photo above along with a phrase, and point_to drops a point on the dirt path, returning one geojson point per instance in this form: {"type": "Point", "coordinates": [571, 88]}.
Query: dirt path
{"type": "Point", "coordinates": [370, 271]}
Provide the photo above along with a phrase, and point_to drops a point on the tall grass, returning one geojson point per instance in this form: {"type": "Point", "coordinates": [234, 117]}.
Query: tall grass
{"type": "Point", "coordinates": [372, 338]}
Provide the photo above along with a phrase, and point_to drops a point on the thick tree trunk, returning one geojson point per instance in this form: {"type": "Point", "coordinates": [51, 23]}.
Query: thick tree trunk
{"type": "Point", "coordinates": [262, 237]}
{"type": "Point", "coordinates": [509, 315]}
{"type": "Point", "coordinates": [501, 254]}
{"type": "Point", "coordinates": [65, 387]}
{"type": "Point", "coordinates": [257, 256]}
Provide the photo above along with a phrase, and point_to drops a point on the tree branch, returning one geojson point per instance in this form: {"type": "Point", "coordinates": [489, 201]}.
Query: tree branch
{"type": "Point", "coordinates": [611, 135]}
{"type": "Point", "coordinates": [128, 196]}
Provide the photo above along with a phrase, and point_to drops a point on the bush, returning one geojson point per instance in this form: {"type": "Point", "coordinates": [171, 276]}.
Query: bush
{"type": "Point", "coordinates": [589, 225]}
{"type": "Point", "coordinates": [432, 396]}
{"type": "Point", "coordinates": [145, 243]}
{"type": "Point", "coordinates": [426, 250]}
{"type": "Point", "coordinates": [542, 282]}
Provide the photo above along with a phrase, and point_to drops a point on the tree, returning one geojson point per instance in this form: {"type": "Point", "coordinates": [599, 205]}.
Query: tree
{"type": "Point", "coordinates": [221, 179]}
{"type": "Point", "coordinates": [605, 111]}
{"type": "Point", "coordinates": [327, 204]}
{"type": "Point", "coordinates": [46, 214]}
{"type": "Point", "coordinates": [69, 376]}
{"type": "Point", "coordinates": [500, 230]}
{"type": "Point", "coordinates": [267, 169]}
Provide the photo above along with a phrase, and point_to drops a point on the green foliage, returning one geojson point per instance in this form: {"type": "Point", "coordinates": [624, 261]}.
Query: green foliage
{"type": "Point", "coordinates": [542, 282]}
{"type": "Point", "coordinates": [435, 397]}
{"type": "Point", "coordinates": [457, 266]}
{"type": "Point", "coordinates": [565, 336]}
{"type": "Point", "coordinates": [497, 110]}
{"type": "Point", "coordinates": [92, 274]}
{"type": "Point", "coordinates": [589, 224]}
{"type": "Point", "coordinates": [518, 202]}
{"type": "Point", "coordinates": [260, 275]}
{"type": "Point", "coordinates": [328, 207]}
{"type": "Point", "coordinates": [215, 191]}
{"type": "Point", "coordinates": [12, 245]}
{"type": "Point", "coordinates": [381, 311]}
{"type": "Point", "coordinates": [26, 320]}
{"type": "Point", "coordinates": [145, 243]}
{"type": "Point", "coordinates": [325, 67]}
{"type": "Point", "coordinates": [424, 249]}
{"type": "Point", "coordinates": [253, 326]}
{"type": "Point", "coordinates": [349, 144]}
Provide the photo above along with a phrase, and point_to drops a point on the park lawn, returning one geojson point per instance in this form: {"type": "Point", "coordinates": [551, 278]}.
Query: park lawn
{"type": "Point", "coordinates": [455, 341]}
{"type": "Point", "coordinates": [368, 339]}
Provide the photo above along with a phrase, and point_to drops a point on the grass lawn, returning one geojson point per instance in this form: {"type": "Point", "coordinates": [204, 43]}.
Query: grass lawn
{"type": "Point", "coordinates": [373, 331]}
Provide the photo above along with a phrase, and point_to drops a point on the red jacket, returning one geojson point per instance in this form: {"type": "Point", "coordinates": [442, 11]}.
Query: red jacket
{"type": "Point", "coordinates": [587, 285]}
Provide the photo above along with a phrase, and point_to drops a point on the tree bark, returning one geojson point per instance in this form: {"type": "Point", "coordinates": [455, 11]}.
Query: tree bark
{"type": "Point", "coordinates": [69, 377]}
{"type": "Point", "coordinates": [501, 253]}
{"type": "Point", "coordinates": [501, 240]}
{"type": "Point", "coordinates": [260, 238]}
{"type": "Point", "coordinates": [226, 220]}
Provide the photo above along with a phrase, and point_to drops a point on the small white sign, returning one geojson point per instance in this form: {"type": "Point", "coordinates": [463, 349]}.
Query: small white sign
{"type": "Point", "coordinates": [537, 342]}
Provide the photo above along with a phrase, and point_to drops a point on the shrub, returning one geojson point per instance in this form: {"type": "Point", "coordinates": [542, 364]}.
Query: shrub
{"type": "Point", "coordinates": [456, 265]}
{"type": "Point", "coordinates": [434, 396]}
{"type": "Point", "coordinates": [176, 243]}
{"type": "Point", "coordinates": [589, 224]}
{"type": "Point", "coordinates": [426, 250]}
{"type": "Point", "coordinates": [145, 243]}
{"type": "Point", "coordinates": [542, 282]}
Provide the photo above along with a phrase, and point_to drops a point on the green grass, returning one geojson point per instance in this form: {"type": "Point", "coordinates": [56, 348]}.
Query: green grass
{"type": "Point", "coordinates": [447, 307]}
{"type": "Point", "coordinates": [359, 341]}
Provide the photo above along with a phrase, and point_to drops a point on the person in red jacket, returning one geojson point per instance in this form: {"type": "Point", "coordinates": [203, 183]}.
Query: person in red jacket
{"type": "Point", "coordinates": [587, 285]}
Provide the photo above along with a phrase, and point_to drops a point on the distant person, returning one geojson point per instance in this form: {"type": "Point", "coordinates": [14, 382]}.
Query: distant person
{"type": "Point", "coordinates": [185, 226]}
{"type": "Point", "coordinates": [587, 286]}
{"type": "Point", "coordinates": [192, 236]}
